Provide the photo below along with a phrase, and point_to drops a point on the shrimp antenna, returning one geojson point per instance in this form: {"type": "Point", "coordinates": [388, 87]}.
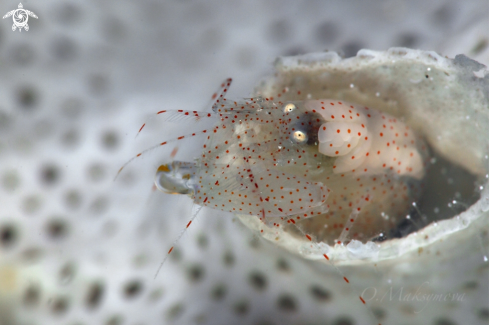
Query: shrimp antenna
{"type": "Point", "coordinates": [176, 115]}
{"type": "Point", "coordinates": [162, 144]}
{"type": "Point", "coordinates": [172, 115]}
{"type": "Point", "coordinates": [220, 93]}
{"type": "Point", "coordinates": [215, 99]}
{"type": "Point", "coordinates": [195, 211]}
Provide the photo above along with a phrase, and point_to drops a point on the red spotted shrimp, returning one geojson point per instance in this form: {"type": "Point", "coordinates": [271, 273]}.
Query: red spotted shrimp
{"type": "Point", "coordinates": [326, 169]}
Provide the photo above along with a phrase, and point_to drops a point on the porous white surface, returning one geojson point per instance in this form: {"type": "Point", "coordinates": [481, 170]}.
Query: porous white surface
{"type": "Point", "coordinates": [78, 248]}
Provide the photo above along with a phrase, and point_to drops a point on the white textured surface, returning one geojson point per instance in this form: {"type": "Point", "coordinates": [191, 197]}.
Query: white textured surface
{"type": "Point", "coordinates": [74, 91]}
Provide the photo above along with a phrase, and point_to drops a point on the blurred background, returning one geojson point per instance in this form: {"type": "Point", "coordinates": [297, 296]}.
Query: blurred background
{"type": "Point", "coordinates": [78, 248]}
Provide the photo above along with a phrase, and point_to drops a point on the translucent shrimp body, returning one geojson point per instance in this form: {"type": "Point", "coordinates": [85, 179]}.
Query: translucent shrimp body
{"type": "Point", "coordinates": [330, 169]}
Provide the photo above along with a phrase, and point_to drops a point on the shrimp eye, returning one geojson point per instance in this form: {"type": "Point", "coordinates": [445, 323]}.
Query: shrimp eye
{"type": "Point", "coordinates": [299, 137]}
{"type": "Point", "coordinates": [289, 108]}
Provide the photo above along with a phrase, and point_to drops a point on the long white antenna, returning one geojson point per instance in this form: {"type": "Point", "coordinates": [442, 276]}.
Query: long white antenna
{"type": "Point", "coordinates": [195, 211]}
